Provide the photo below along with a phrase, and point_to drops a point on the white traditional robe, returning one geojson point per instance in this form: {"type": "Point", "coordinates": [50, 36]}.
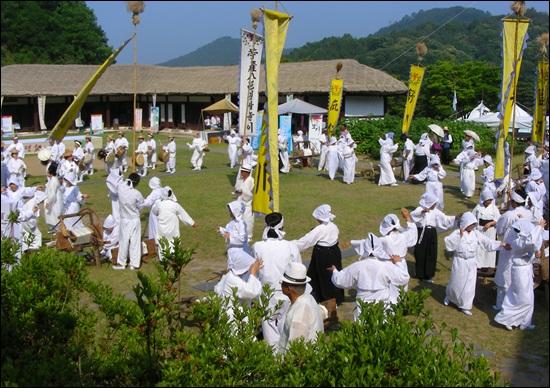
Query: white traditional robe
{"type": "Point", "coordinates": [151, 158]}
{"type": "Point", "coordinates": [110, 241]}
{"type": "Point", "coordinates": [169, 213]}
{"type": "Point", "coordinates": [131, 204]}
{"type": "Point", "coordinates": [484, 258]}
{"type": "Point", "coordinates": [247, 188]}
{"type": "Point", "coordinates": [283, 154]}
{"type": "Point", "coordinates": [142, 149]}
{"type": "Point", "coordinates": [53, 205]}
{"type": "Point", "coordinates": [461, 288]}
{"type": "Point", "coordinates": [408, 158]}
{"type": "Point", "coordinates": [232, 150]}
{"type": "Point", "coordinates": [31, 237]}
{"type": "Point", "coordinates": [323, 140]}
{"type": "Point", "coordinates": [434, 182]}
{"type": "Point", "coordinates": [121, 142]}
{"type": "Point", "coordinates": [72, 199]}
{"type": "Point", "coordinates": [333, 160]}
{"type": "Point", "coordinates": [387, 177]}
{"type": "Point", "coordinates": [349, 164]}
{"type": "Point", "coordinates": [171, 149]}
{"type": "Point", "coordinates": [197, 146]}
{"type": "Point", "coordinates": [149, 202]}
{"type": "Point", "coordinates": [246, 290]}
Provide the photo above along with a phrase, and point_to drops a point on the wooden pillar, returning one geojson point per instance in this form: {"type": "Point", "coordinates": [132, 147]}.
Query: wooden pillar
{"type": "Point", "coordinates": [107, 112]}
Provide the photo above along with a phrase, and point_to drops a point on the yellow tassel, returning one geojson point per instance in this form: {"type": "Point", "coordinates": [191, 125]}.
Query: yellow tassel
{"type": "Point", "coordinates": [421, 49]}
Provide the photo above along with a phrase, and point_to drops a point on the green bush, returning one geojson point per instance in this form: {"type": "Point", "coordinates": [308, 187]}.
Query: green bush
{"type": "Point", "coordinates": [51, 337]}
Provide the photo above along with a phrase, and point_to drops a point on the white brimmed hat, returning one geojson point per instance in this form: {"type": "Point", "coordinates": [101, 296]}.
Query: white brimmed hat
{"type": "Point", "coordinates": [295, 273]}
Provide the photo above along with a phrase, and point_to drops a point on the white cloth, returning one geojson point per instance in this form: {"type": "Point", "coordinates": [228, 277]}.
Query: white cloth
{"type": "Point", "coordinates": [333, 160]}
{"type": "Point", "coordinates": [197, 146]}
{"type": "Point", "coordinates": [303, 319]}
{"type": "Point", "coordinates": [434, 182]}
{"type": "Point", "coordinates": [110, 241]}
{"type": "Point", "coordinates": [72, 199]}
{"type": "Point", "coordinates": [19, 147]}
{"type": "Point", "coordinates": [276, 254]}
{"type": "Point", "coordinates": [152, 159]}
{"type": "Point", "coordinates": [169, 213]}
{"type": "Point", "coordinates": [323, 141]}
{"type": "Point", "coordinates": [349, 164]}
{"type": "Point", "coordinates": [142, 149]}
{"type": "Point", "coordinates": [283, 153]}
{"type": "Point", "coordinates": [248, 287]}
{"type": "Point", "coordinates": [387, 150]}
{"type": "Point", "coordinates": [461, 288]}
{"type": "Point", "coordinates": [17, 168]}
{"type": "Point", "coordinates": [325, 235]}
{"type": "Point", "coordinates": [372, 279]}
{"type": "Point", "coordinates": [247, 193]}
{"type": "Point", "coordinates": [130, 203]}
{"type": "Point", "coordinates": [121, 142]}
{"type": "Point", "coordinates": [408, 158]}
{"type": "Point", "coordinates": [31, 237]}
{"type": "Point", "coordinates": [151, 199]}
{"type": "Point", "coordinates": [109, 147]}
{"type": "Point", "coordinates": [53, 205]}
{"type": "Point", "coordinates": [171, 149]}
{"type": "Point", "coordinates": [232, 150]}
{"type": "Point", "coordinates": [486, 258]}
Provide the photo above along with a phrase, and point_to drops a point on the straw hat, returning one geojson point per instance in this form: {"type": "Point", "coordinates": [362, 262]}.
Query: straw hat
{"type": "Point", "coordinates": [67, 153]}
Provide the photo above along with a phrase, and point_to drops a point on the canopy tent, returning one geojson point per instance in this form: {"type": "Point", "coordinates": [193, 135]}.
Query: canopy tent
{"type": "Point", "coordinates": [300, 107]}
{"type": "Point", "coordinates": [522, 119]}
{"type": "Point", "coordinates": [221, 107]}
{"type": "Point", "coordinates": [479, 111]}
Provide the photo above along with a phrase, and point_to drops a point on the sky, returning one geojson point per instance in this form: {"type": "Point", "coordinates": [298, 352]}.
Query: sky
{"type": "Point", "coordinates": [170, 29]}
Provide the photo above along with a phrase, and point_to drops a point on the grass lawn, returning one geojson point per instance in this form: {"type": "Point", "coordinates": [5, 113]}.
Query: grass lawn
{"type": "Point", "coordinates": [359, 208]}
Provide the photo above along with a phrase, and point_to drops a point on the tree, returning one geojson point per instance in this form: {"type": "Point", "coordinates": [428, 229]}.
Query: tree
{"type": "Point", "coordinates": [51, 32]}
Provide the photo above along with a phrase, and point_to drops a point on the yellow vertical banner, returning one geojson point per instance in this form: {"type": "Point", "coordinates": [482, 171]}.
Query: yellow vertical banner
{"type": "Point", "coordinates": [415, 81]}
{"type": "Point", "coordinates": [541, 97]}
{"type": "Point", "coordinates": [266, 181]}
{"type": "Point", "coordinates": [60, 130]}
{"type": "Point", "coordinates": [514, 36]}
{"type": "Point", "coordinates": [335, 102]}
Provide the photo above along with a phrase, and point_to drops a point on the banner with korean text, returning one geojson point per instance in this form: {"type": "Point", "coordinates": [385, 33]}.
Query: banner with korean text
{"type": "Point", "coordinates": [335, 102]}
{"type": "Point", "coordinates": [541, 98]}
{"type": "Point", "coordinates": [249, 80]}
{"type": "Point", "coordinates": [266, 183]}
{"type": "Point", "coordinates": [514, 41]}
{"type": "Point", "coordinates": [415, 81]}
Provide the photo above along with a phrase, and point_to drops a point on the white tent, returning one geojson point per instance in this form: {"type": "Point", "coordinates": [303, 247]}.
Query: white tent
{"type": "Point", "coordinates": [300, 107]}
{"type": "Point", "coordinates": [479, 111]}
{"type": "Point", "coordinates": [522, 119]}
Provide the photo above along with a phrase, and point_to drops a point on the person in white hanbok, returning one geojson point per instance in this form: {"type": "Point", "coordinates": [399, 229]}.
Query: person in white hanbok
{"type": "Point", "coordinates": [464, 242]}
{"type": "Point", "coordinates": [535, 206]}
{"type": "Point", "coordinates": [534, 182]}
{"type": "Point", "coordinates": [303, 318]}
{"type": "Point", "coordinates": [372, 275]}
{"type": "Point", "coordinates": [275, 253]}
{"type": "Point", "coordinates": [348, 153]}
{"type": "Point", "coordinates": [171, 149]}
{"type": "Point", "coordinates": [152, 198]}
{"type": "Point", "coordinates": [68, 165]}
{"type": "Point", "coordinates": [130, 204]}
{"type": "Point", "coordinates": [422, 154]}
{"type": "Point", "coordinates": [487, 215]}
{"type": "Point", "coordinates": [72, 200]}
{"type": "Point", "coordinates": [504, 226]}
{"type": "Point", "coordinates": [110, 237]}
{"type": "Point", "coordinates": [396, 241]}
{"type": "Point", "coordinates": [141, 149]}
{"type": "Point", "coordinates": [408, 156]}
{"type": "Point", "coordinates": [78, 155]}
{"type": "Point", "coordinates": [62, 148]}
{"type": "Point", "coordinates": [242, 276]}
{"type": "Point", "coordinates": [323, 141]}
{"type": "Point", "coordinates": [234, 232]}
{"type": "Point", "coordinates": [232, 148]}
{"type": "Point", "coordinates": [488, 176]}
{"type": "Point", "coordinates": [284, 163]}
{"type": "Point", "coordinates": [114, 179]}
{"type": "Point", "coordinates": [53, 205]}
{"type": "Point", "coordinates": [31, 237]}
{"type": "Point", "coordinates": [151, 152]}
{"type": "Point", "coordinates": [54, 153]}
{"type": "Point", "coordinates": [169, 214]}
{"type": "Point", "coordinates": [17, 167]}
{"type": "Point", "coordinates": [17, 193]}
{"type": "Point", "coordinates": [198, 145]}
{"type": "Point", "coordinates": [16, 145]}
{"type": "Point", "coordinates": [519, 302]}
{"type": "Point", "coordinates": [429, 220]}
{"type": "Point", "coordinates": [469, 160]}
{"type": "Point", "coordinates": [89, 149]}
{"type": "Point", "coordinates": [387, 149]}
{"type": "Point", "coordinates": [333, 159]}
{"type": "Point", "coordinates": [109, 147]}
{"type": "Point", "coordinates": [244, 189]}
{"type": "Point", "coordinates": [120, 161]}
{"type": "Point", "coordinates": [433, 174]}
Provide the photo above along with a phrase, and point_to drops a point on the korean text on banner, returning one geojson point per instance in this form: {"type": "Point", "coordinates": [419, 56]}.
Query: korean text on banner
{"type": "Point", "coordinates": [335, 102]}
{"type": "Point", "coordinates": [60, 130]}
{"type": "Point", "coordinates": [514, 37]}
{"type": "Point", "coordinates": [415, 81]}
{"type": "Point", "coordinates": [541, 97]}
{"type": "Point", "coordinates": [249, 82]}
{"type": "Point", "coordinates": [275, 29]}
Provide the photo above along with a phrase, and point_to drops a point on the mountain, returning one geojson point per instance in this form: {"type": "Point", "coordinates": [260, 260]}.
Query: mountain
{"type": "Point", "coordinates": [224, 51]}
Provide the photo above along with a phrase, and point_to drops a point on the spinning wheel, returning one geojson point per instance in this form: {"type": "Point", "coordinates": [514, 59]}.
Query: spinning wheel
{"type": "Point", "coordinates": [89, 236]}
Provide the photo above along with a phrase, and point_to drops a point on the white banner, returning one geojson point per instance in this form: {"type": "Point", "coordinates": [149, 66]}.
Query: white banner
{"type": "Point", "coordinates": [314, 133]}
{"type": "Point", "coordinates": [42, 112]}
{"type": "Point", "coordinates": [249, 81]}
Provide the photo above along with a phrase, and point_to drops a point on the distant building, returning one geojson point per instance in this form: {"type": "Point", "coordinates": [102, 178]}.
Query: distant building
{"type": "Point", "coordinates": [181, 92]}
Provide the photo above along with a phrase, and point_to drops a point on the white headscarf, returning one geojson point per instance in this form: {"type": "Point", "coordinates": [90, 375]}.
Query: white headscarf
{"type": "Point", "coordinates": [323, 214]}
{"type": "Point", "coordinates": [333, 140]}
{"type": "Point", "coordinates": [424, 136]}
{"type": "Point", "coordinates": [535, 174]}
{"type": "Point", "coordinates": [486, 194]}
{"type": "Point", "coordinates": [70, 177]}
{"type": "Point", "coordinates": [154, 183]}
{"type": "Point", "coordinates": [372, 247]}
{"type": "Point", "coordinates": [167, 193]}
{"type": "Point", "coordinates": [236, 208]}
{"type": "Point", "coordinates": [300, 133]}
{"type": "Point", "coordinates": [389, 223]}
{"type": "Point", "coordinates": [427, 200]}
{"type": "Point", "coordinates": [276, 229]}
{"type": "Point", "coordinates": [467, 219]}
{"type": "Point", "coordinates": [435, 160]}
{"type": "Point", "coordinates": [488, 159]}
{"type": "Point", "coordinates": [240, 262]}
{"type": "Point", "coordinates": [524, 230]}
{"type": "Point", "coordinates": [518, 198]}
{"type": "Point", "coordinates": [109, 222]}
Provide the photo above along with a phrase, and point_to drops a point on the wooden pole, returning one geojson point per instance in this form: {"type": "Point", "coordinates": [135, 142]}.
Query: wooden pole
{"type": "Point", "coordinates": [135, 98]}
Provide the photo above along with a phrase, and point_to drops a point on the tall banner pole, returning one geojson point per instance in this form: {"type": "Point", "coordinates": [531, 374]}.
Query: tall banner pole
{"type": "Point", "coordinates": [415, 81]}
{"type": "Point", "coordinates": [335, 101]}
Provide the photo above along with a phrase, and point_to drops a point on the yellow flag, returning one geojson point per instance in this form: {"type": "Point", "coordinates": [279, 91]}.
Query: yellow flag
{"type": "Point", "coordinates": [60, 130]}
{"type": "Point", "coordinates": [541, 96]}
{"type": "Point", "coordinates": [415, 81]}
{"type": "Point", "coordinates": [514, 35]}
{"type": "Point", "coordinates": [275, 28]}
{"type": "Point", "coordinates": [335, 102]}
